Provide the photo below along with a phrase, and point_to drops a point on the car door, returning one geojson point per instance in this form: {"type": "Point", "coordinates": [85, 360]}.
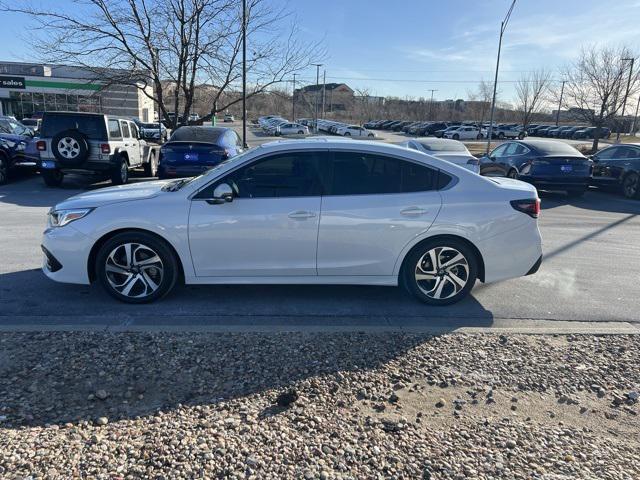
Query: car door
{"type": "Point", "coordinates": [604, 164]}
{"type": "Point", "coordinates": [374, 206]}
{"type": "Point", "coordinates": [493, 166]}
{"type": "Point", "coordinates": [135, 139]}
{"type": "Point", "coordinates": [271, 226]}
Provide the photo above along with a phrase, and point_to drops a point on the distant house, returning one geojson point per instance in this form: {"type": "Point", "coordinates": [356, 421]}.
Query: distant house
{"type": "Point", "coordinates": [338, 97]}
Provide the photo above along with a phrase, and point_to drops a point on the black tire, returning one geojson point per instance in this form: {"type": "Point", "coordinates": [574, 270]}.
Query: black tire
{"type": "Point", "coordinates": [300, 132]}
{"type": "Point", "coordinates": [4, 170]}
{"type": "Point", "coordinates": [168, 267]}
{"type": "Point", "coordinates": [347, 134]}
{"type": "Point", "coordinates": [70, 148]}
{"type": "Point", "coordinates": [479, 136]}
{"type": "Point", "coordinates": [151, 167]}
{"type": "Point", "coordinates": [371, 135]}
{"type": "Point", "coordinates": [512, 174]}
{"type": "Point", "coordinates": [501, 136]}
{"type": "Point", "coordinates": [416, 256]}
{"type": "Point", "coordinates": [631, 186]}
{"type": "Point", "coordinates": [52, 178]}
{"type": "Point", "coordinates": [456, 136]}
{"type": "Point", "coordinates": [576, 192]}
{"type": "Point", "coordinates": [120, 172]}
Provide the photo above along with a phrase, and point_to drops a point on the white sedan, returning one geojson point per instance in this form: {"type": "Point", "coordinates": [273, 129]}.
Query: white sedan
{"type": "Point", "coordinates": [450, 150]}
{"type": "Point", "coordinates": [464, 133]}
{"type": "Point", "coordinates": [314, 211]}
{"type": "Point", "coordinates": [292, 129]}
{"type": "Point", "coordinates": [355, 131]}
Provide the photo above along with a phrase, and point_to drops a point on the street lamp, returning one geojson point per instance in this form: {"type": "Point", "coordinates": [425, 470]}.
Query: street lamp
{"type": "Point", "coordinates": [503, 27]}
{"type": "Point", "coordinates": [244, 74]}
{"type": "Point", "coordinates": [626, 94]}
{"type": "Point", "coordinates": [317, 65]}
{"type": "Point", "coordinates": [431, 103]}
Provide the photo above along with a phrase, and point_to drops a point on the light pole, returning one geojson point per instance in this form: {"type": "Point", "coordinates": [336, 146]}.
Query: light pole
{"type": "Point", "coordinates": [317, 65]}
{"type": "Point", "coordinates": [503, 27]}
{"type": "Point", "coordinates": [324, 84]}
{"type": "Point", "coordinates": [293, 100]}
{"type": "Point", "coordinates": [244, 74]}
{"type": "Point", "coordinates": [559, 103]}
{"type": "Point", "coordinates": [626, 94]}
{"type": "Point", "coordinates": [431, 103]}
{"type": "Point", "coordinates": [635, 117]}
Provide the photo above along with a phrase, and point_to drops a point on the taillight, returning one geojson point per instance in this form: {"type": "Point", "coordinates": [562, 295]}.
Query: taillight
{"type": "Point", "coordinates": [105, 148]}
{"type": "Point", "coordinates": [41, 145]}
{"type": "Point", "coordinates": [530, 206]}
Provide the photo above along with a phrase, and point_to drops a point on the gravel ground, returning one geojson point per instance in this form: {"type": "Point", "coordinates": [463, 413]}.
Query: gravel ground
{"type": "Point", "coordinates": [346, 405]}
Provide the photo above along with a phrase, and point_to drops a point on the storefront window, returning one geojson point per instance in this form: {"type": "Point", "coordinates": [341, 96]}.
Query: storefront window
{"type": "Point", "coordinates": [50, 101]}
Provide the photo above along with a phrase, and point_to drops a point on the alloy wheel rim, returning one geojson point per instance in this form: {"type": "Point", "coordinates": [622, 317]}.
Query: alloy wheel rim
{"type": "Point", "coordinates": [69, 148]}
{"type": "Point", "coordinates": [134, 270]}
{"type": "Point", "coordinates": [3, 172]}
{"type": "Point", "coordinates": [631, 186]}
{"type": "Point", "coordinates": [442, 273]}
{"type": "Point", "coordinates": [123, 172]}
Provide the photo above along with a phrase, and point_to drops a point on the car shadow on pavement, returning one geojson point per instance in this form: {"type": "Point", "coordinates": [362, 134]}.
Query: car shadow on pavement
{"type": "Point", "coordinates": [597, 200]}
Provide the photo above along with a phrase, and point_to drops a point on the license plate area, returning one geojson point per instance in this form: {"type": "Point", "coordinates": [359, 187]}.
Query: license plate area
{"type": "Point", "coordinates": [191, 157]}
{"type": "Point", "coordinates": [566, 168]}
{"type": "Point", "coordinates": [48, 164]}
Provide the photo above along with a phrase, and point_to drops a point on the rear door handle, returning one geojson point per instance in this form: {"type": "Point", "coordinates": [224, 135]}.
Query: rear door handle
{"type": "Point", "coordinates": [301, 214]}
{"type": "Point", "coordinates": [413, 211]}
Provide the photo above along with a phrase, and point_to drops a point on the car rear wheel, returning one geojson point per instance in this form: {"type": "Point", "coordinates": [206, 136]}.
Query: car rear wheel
{"type": "Point", "coordinates": [151, 168]}
{"type": "Point", "coordinates": [501, 136]}
{"type": "Point", "coordinates": [4, 170]}
{"type": "Point", "coordinates": [347, 134]}
{"type": "Point", "coordinates": [512, 174]}
{"type": "Point", "coordinates": [136, 267]}
{"type": "Point", "coordinates": [440, 272]}
{"type": "Point", "coordinates": [52, 178]}
{"type": "Point", "coordinates": [631, 186]}
{"type": "Point", "coordinates": [300, 132]}
{"type": "Point", "coordinates": [120, 172]}
{"type": "Point", "coordinates": [479, 136]}
{"type": "Point", "coordinates": [371, 135]}
{"type": "Point", "coordinates": [456, 136]}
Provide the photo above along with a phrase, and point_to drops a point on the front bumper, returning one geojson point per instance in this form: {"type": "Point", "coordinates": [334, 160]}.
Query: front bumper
{"type": "Point", "coordinates": [66, 255]}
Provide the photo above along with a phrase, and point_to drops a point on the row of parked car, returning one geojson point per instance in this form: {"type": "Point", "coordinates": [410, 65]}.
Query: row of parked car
{"type": "Point", "coordinates": [567, 131]}
{"type": "Point", "coordinates": [276, 125]}
{"type": "Point", "coordinates": [453, 130]}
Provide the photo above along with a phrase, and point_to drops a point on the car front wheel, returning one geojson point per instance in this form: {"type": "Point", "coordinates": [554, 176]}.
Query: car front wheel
{"type": "Point", "coordinates": [440, 272]}
{"type": "Point", "coordinates": [136, 267]}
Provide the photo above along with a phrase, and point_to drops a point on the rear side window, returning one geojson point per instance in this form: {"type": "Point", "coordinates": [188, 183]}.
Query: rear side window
{"type": "Point", "coordinates": [357, 173]}
{"type": "Point", "coordinates": [114, 129]}
{"type": "Point", "coordinates": [125, 130]}
{"type": "Point", "coordinates": [93, 127]}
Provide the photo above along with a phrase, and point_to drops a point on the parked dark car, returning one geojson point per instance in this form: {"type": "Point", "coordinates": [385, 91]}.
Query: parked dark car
{"type": "Point", "coordinates": [568, 133]}
{"type": "Point", "coordinates": [406, 128]}
{"type": "Point", "coordinates": [544, 130]}
{"type": "Point", "coordinates": [590, 132]}
{"type": "Point", "coordinates": [17, 147]}
{"type": "Point", "coordinates": [533, 131]}
{"type": "Point", "coordinates": [192, 150]}
{"type": "Point", "coordinates": [618, 168]}
{"type": "Point", "coordinates": [432, 128]}
{"type": "Point", "coordinates": [546, 164]}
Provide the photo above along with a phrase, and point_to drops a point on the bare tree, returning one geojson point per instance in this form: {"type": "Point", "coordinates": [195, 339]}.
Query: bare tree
{"type": "Point", "coordinates": [481, 98]}
{"type": "Point", "coordinates": [531, 91]}
{"type": "Point", "coordinates": [596, 83]}
{"type": "Point", "coordinates": [189, 44]}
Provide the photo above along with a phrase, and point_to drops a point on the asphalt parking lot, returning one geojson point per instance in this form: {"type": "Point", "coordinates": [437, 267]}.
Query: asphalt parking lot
{"type": "Point", "coordinates": [590, 273]}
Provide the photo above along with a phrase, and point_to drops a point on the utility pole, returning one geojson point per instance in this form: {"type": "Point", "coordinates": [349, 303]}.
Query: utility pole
{"type": "Point", "coordinates": [431, 103]}
{"type": "Point", "coordinates": [244, 74]}
{"type": "Point", "coordinates": [324, 84]}
{"type": "Point", "coordinates": [293, 100]}
{"type": "Point", "coordinates": [559, 103]}
{"type": "Point", "coordinates": [503, 27]}
{"type": "Point", "coordinates": [626, 94]}
{"type": "Point", "coordinates": [635, 117]}
{"type": "Point", "coordinates": [317, 65]}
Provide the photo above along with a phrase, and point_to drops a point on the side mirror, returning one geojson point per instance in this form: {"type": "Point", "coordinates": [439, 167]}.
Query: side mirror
{"type": "Point", "coordinates": [222, 194]}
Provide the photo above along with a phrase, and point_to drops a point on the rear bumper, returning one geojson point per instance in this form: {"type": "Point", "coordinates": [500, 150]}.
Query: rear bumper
{"type": "Point", "coordinates": [555, 183]}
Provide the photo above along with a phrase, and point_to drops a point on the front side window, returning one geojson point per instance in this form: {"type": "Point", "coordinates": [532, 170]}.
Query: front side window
{"type": "Point", "coordinates": [294, 174]}
{"type": "Point", "coordinates": [499, 151]}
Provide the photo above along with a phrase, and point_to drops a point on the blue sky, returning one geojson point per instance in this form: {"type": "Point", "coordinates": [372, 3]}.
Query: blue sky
{"type": "Point", "coordinates": [405, 48]}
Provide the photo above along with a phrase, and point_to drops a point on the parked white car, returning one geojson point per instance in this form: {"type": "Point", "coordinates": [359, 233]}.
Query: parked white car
{"type": "Point", "coordinates": [314, 211]}
{"type": "Point", "coordinates": [292, 129]}
{"type": "Point", "coordinates": [355, 131]}
{"type": "Point", "coordinates": [464, 132]}
{"type": "Point", "coordinates": [450, 150]}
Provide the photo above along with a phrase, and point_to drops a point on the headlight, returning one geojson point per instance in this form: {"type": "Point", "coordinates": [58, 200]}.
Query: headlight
{"type": "Point", "coordinates": [59, 218]}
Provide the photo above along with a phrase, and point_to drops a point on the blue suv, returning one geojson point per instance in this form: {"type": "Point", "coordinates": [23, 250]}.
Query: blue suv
{"type": "Point", "coordinates": [17, 148]}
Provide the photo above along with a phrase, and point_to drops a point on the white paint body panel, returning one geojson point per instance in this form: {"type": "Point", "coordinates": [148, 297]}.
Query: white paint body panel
{"type": "Point", "coordinates": [357, 239]}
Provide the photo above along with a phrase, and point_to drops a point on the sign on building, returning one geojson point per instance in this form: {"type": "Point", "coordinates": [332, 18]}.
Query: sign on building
{"type": "Point", "coordinates": [12, 82]}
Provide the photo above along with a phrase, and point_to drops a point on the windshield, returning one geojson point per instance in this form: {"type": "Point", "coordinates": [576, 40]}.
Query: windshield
{"type": "Point", "coordinates": [178, 184]}
{"type": "Point", "coordinates": [12, 127]}
{"type": "Point", "coordinates": [197, 134]}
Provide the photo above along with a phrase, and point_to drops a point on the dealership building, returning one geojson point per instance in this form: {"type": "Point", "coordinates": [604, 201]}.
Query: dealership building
{"type": "Point", "coordinates": [31, 88]}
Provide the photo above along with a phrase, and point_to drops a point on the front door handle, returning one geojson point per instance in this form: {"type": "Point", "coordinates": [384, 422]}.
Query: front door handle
{"type": "Point", "coordinates": [301, 214]}
{"type": "Point", "coordinates": [413, 211]}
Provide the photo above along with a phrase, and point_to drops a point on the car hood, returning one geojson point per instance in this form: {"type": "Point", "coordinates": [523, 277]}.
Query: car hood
{"type": "Point", "coordinates": [109, 195]}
